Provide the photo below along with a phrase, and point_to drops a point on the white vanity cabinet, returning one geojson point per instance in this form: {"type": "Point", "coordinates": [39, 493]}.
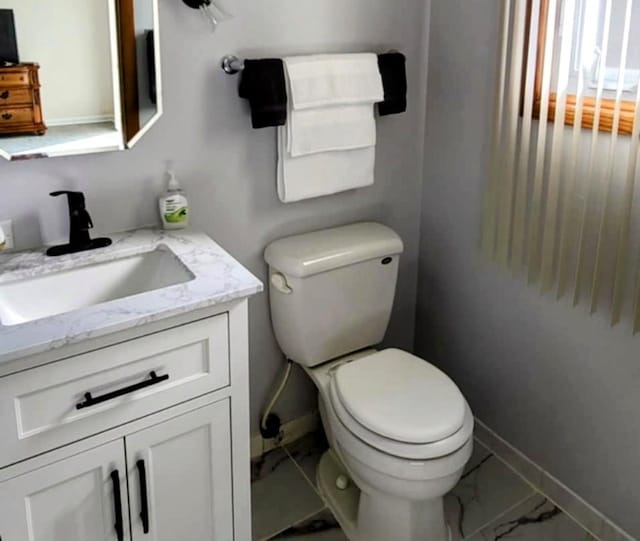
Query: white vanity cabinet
{"type": "Point", "coordinates": [72, 499]}
{"type": "Point", "coordinates": [142, 437]}
{"type": "Point", "coordinates": [180, 478]}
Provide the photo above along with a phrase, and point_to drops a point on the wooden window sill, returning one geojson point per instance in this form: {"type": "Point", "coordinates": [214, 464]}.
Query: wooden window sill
{"type": "Point", "coordinates": [607, 113]}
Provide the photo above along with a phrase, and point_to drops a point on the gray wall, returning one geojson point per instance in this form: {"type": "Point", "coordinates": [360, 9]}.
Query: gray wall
{"type": "Point", "coordinates": [561, 386]}
{"type": "Point", "coordinates": [228, 169]}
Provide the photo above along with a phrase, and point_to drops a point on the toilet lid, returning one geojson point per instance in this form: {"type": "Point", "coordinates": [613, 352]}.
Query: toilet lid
{"type": "Point", "coordinates": [401, 397]}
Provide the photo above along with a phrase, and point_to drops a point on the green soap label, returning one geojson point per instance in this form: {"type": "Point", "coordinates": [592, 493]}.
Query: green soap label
{"type": "Point", "coordinates": [177, 216]}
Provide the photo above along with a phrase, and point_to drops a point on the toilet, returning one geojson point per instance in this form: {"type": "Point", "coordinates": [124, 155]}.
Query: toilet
{"type": "Point", "coordinates": [400, 431]}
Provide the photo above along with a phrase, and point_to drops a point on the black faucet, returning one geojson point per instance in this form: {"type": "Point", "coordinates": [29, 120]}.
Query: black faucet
{"type": "Point", "coordinates": [79, 225]}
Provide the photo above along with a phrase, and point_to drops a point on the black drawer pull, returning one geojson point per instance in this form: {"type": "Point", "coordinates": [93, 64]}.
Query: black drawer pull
{"type": "Point", "coordinates": [92, 401]}
{"type": "Point", "coordinates": [117, 504]}
{"type": "Point", "coordinates": [144, 499]}
{"type": "Point", "coordinates": [5, 95]}
{"type": "Point", "coordinates": [7, 116]}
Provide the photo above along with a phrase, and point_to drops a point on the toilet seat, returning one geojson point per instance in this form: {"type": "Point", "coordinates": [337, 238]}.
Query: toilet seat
{"type": "Point", "coordinates": [398, 449]}
{"type": "Point", "coordinates": [401, 405]}
{"type": "Point", "coordinates": [407, 469]}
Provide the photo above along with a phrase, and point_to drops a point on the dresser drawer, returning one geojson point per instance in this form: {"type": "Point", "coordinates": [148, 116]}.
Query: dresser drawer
{"type": "Point", "coordinates": [15, 96]}
{"type": "Point", "coordinates": [16, 115]}
{"type": "Point", "coordinates": [68, 400]}
{"type": "Point", "coordinates": [19, 78]}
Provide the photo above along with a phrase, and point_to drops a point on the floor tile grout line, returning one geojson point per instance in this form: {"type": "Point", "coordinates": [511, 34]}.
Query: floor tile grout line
{"type": "Point", "coordinates": [502, 514]}
{"type": "Point", "coordinates": [537, 489]}
{"type": "Point", "coordinates": [288, 456]}
{"type": "Point", "coordinates": [570, 515]}
{"type": "Point", "coordinates": [307, 517]}
{"type": "Point", "coordinates": [301, 470]}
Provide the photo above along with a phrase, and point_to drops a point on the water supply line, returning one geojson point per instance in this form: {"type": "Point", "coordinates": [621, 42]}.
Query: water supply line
{"type": "Point", "coordinates": [276, 397]}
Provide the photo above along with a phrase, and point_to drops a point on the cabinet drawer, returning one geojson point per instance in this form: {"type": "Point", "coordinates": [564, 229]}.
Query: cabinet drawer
{"type": "Point", "coordinates": [15, 96]}
{"type": "Point", "coordinates": [68, 400]}
{"type": "Point", "coordinates": [16, 115]}
{"type": "Point", "coordinates": [19, 78]}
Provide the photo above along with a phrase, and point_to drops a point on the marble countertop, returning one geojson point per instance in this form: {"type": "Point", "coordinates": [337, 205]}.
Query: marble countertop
{"type": "Point", "coordinates": [218, 278]}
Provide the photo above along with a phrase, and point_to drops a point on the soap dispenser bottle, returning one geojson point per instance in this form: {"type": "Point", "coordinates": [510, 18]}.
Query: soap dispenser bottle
{"type": "Point", "coordinates": [174, 206]}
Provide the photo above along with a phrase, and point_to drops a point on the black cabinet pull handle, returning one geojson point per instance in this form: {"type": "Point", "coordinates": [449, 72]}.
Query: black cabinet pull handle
{"type": "Point", "coordinates": [117, 502]}
{"type": "Point", "coordinates": [5, 95]}
{"type": "Point", "coordinates": [90, 400]}
{"type": "Point", "coordinates": [7, 116]}
{"type": "Point", "coordinates": [144, 499]}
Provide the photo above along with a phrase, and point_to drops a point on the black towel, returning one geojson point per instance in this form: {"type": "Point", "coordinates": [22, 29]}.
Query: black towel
{"type": "Point", "coordinates": [263, 84]}
{"type": "Point", "coordinates": [394, 80]}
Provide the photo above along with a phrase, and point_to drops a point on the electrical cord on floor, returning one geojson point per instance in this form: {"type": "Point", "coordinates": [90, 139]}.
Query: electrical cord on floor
{"type": "Point", "coordinates": [276, 395]}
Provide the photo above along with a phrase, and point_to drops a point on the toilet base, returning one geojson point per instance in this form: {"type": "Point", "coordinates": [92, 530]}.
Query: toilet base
{"type": "Point", "coordinates": [344, 504]}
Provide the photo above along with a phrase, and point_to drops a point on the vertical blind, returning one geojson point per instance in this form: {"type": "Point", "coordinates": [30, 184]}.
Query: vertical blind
{"type": "Point", "coordinates": [561, 205]}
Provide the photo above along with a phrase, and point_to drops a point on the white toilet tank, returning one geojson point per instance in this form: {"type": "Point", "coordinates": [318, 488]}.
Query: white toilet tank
{"type": "Point", "coordinates": [332, 291]}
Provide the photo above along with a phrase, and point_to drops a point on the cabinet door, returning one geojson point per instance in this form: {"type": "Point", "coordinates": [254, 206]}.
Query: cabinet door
{"type": "Point", "coordinates": [180, 478]}
{"type": "Point", "coordinates": [81, 498]}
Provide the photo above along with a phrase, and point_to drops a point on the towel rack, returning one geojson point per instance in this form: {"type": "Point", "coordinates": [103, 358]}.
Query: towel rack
{"type": "Point", "coordinates": [231, 64]}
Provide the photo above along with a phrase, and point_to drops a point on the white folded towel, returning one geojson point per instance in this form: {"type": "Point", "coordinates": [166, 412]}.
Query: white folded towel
{"type": "Point", "coordinates": [331, 99]}
{"type": "Point", "coordinates": [324, 80]}
{"type": "Point", "coordinates": [328, 144]}
{"type": "Point", "coordinates": [330, 128]}
{"type": "Point", "coordinates": [322, 174]}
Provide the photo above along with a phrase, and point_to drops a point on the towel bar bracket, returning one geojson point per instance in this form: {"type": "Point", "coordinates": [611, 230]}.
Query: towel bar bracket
{"type": "Point", "coordinates": [231, 64]}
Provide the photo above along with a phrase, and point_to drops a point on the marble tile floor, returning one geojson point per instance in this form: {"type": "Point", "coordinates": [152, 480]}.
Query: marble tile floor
{"type": "Point", "coordinates": [490, 503]}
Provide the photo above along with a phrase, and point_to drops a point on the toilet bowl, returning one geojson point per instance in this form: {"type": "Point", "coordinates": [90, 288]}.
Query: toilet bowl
{"type": "Point", "coordinates": [400, 431]}
{"type": "Point", "coordinates": [401, 484]}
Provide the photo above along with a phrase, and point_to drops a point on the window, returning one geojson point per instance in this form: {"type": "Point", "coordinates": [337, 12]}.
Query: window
{"type": "Point", "coordinates": [561, 208]}
{"type": "Point", "coordinates": [603, 45]}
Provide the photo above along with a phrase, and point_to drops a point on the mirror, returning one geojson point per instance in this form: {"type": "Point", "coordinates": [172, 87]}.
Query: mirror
{"type": "Point", "coordinates": [77, 76]}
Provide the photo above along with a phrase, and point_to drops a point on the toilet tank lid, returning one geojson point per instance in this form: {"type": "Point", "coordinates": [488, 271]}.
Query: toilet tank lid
{"type": "Point", "coordinates": [329, 249]}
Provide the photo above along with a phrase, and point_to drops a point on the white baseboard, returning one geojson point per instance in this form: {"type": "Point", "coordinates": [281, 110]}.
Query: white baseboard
{"type": "Point", "coordinates": [291, 431]}
{"type": "Point", "coordinates": [573, 505]}
{"type": "Point", "coordinates": [96, 119]}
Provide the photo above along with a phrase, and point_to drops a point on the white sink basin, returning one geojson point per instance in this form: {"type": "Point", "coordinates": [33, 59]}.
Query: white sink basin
{"type": "Point", "coordinates": [61, 292]}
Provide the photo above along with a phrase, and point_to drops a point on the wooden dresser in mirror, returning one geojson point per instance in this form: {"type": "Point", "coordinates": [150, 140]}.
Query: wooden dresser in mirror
{"type": "Point", "coordinates": [20, 104]}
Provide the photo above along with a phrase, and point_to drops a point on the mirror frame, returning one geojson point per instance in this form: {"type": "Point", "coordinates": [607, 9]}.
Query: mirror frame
{"type": "Point", "coordinates": [128, 72]}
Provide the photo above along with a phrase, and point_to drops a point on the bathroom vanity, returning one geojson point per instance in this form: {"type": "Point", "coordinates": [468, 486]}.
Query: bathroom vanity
{"type": "Point", "coordinates": [124, 398]}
